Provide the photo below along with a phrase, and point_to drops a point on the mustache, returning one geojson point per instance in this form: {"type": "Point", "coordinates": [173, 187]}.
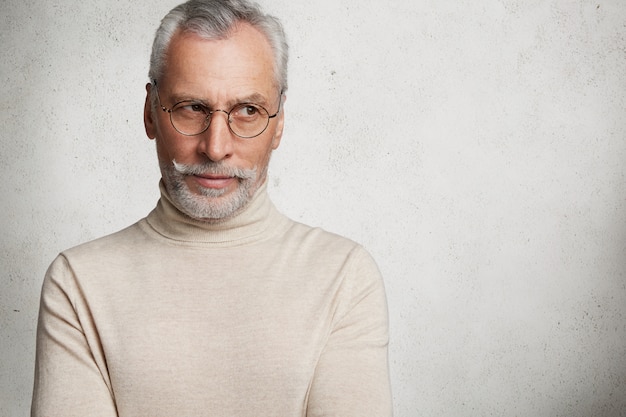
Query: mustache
{"type": "Point", "coordinates": [214, 168]}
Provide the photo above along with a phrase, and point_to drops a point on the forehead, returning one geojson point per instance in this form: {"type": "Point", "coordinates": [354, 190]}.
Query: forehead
{"type": "Point", "coordinates": [240, 64]}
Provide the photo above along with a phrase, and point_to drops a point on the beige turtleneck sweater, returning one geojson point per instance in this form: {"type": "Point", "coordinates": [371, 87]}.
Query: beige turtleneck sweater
{"type": "Point", "coordinates": [255, 316]}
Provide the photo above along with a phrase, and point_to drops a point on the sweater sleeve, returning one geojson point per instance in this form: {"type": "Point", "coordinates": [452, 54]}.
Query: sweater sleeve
{"type": "Point", "coordinates": [352, 376]}
{"type": "Point", "coordinates": [70, 369]}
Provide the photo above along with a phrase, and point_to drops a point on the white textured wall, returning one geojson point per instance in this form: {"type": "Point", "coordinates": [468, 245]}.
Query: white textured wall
{"type": "Point", "coordinates": [477, 148]}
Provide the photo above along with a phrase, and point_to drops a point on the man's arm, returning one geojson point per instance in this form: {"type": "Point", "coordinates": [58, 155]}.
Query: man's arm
{"type": "Point", "coordinates": [70, 370]}
{"type": "Point", "coordinates": [352, 375]}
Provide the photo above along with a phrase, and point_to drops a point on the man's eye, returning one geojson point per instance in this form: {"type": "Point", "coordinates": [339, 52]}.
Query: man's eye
{"type": "Point", "coordinates": [246, 111]}
{"type": "Point", "coordinates": [196, 107]}
{"type": "Point", "coordinates": [250, 110]}
{"type": "Point", "coordinates": [192, 108]}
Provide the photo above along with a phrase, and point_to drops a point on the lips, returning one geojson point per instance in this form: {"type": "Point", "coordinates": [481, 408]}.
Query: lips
{"type": "Point", "coordinates": [213, 181]}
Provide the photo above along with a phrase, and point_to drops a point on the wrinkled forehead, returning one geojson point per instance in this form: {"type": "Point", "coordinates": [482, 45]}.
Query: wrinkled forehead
{"type": "Point", "coordinates": [242, 56]}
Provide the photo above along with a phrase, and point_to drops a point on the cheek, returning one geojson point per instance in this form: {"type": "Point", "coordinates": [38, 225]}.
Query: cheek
{"type": "Point", "coordinates": [169, 149]}
{"type": "Point", "coordinates": [162, 152]}
{"type": "Point", "coordinates": [171, 145]}
{"type": "Point", "coordinates": [261, 156]}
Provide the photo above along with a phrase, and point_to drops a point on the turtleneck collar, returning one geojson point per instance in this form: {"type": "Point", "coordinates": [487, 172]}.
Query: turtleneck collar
{"type": "Point", "coordinates": [257, 221]}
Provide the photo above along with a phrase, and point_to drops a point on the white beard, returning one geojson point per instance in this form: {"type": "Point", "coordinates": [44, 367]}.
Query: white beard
{"type": "Point", "coordinates": [211, 204]}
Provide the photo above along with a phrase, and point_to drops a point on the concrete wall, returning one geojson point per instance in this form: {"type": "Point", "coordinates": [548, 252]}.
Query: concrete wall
{"type": "Point", "coordinates": [476, 148]}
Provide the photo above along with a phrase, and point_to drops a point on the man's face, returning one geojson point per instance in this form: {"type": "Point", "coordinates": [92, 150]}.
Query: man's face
{"type": "Point", "coordinates": [213, 175]}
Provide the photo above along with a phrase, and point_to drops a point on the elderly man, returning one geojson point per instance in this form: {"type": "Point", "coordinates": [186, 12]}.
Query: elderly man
{"type": "Point", "coordinates": [215, 304]}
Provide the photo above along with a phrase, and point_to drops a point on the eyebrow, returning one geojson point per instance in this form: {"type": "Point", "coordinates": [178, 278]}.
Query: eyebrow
{"type": "Point", "coordinates": [255, 98]}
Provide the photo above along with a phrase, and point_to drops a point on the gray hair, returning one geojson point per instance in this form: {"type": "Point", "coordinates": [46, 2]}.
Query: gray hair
{"type": "Point", "coordinates": [215, 19]}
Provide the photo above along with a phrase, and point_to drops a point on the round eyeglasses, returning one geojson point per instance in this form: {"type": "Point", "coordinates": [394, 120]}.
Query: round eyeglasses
{"type": "Point", "coordinates": [246, 120]}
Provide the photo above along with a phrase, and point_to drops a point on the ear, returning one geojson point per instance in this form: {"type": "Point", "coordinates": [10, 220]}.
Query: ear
{"type": "Point", "coordinates": [148, 119]}
{"type": "Point", "coordinates": [280, 124]}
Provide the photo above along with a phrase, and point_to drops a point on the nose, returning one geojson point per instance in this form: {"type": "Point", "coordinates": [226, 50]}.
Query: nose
{"type": "Point", "coordinates": [217, 141]}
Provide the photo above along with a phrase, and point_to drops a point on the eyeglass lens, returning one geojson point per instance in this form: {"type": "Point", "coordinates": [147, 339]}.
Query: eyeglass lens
{"type": "Point", "coordinates": [245, 120]}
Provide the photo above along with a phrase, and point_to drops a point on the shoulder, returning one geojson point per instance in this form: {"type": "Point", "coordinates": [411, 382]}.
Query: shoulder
{"type": "Point", "coordinates": [100, 253]}
{"type": "Point", "coordinates": [115, 242]}
{"type": "Point", "coordinates": [329, 248]}
{"type": "Point", "coordinates": [344, 268]}
{"type": "Point", "coordinates": [96, 258]}
{"type": "Point", "coordinates": [318, 238]}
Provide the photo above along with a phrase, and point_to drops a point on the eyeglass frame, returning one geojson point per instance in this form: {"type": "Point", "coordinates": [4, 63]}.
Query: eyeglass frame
{"type": "Point", "coordinates": [211, 112]}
